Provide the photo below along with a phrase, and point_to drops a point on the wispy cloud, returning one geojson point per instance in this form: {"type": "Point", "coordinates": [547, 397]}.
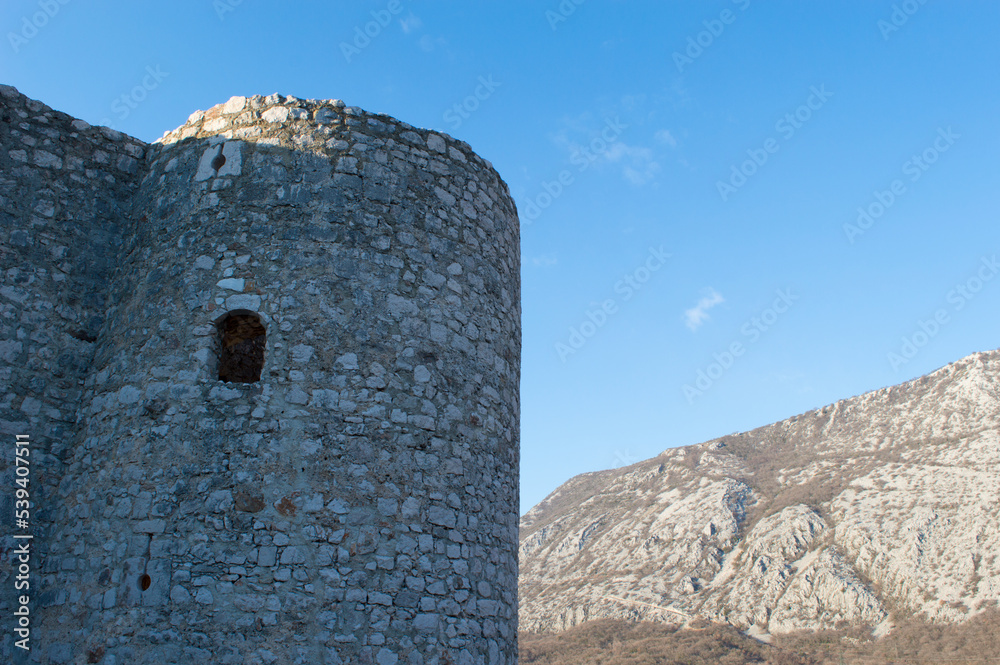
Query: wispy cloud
{"type": "Point", "coordinates": [411, 23]}
{"type": "Point", "coordinates": [638, 164]}
{"type": "Point", "coordinates": [574, 131]}
{"type": "Point", "coordinates": [413, 26]}
{"type": "Point", "coordinates": [586, 139]}
{"type": "Point", "coordinates": [428, 43]}
{"type": "Point", "coordinates": [633, 102]}
{"type": "Point", "coordinates": [697, 315]}
{"type": "Point", "coordinates": [664, 136]}
{"type": "Point", "coordinates": [679, 94]}
{"type": "Point", "coordinates": [545, 260]}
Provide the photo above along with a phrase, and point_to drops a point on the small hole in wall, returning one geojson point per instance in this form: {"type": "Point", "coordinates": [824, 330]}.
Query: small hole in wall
{"type": "Point", "coordinates": [218, 161]}
{"type": "Point", "coordinates": [144, 582]}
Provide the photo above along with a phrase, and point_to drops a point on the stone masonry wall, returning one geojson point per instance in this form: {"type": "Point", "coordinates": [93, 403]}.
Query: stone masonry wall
{"type": "Point", "coordinates": [358, 504]}
{"type": "Point", "coordinates": [63, 192]}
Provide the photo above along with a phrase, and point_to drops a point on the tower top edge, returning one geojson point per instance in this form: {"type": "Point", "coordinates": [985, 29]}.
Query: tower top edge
{"type": "Point", "coordinates": [26, 107]}
{"type": "Point", "coordinates": [278, 111]}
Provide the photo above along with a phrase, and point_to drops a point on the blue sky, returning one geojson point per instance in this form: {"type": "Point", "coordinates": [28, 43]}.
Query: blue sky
{"type": "Point", "coordinates": [689, 178]}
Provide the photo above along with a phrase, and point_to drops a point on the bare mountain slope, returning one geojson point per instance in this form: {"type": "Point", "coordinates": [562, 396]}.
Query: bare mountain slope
{"type": "Point", "coordinates": [877, 506]}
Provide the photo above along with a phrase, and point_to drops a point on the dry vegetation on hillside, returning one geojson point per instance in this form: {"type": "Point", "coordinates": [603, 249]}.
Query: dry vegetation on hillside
{"type": "Point", "coordinates": [608, 642]}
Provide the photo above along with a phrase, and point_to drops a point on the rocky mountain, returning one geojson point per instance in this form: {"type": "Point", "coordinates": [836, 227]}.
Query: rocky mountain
{"type": "Point", "coordinates": [873, 509]}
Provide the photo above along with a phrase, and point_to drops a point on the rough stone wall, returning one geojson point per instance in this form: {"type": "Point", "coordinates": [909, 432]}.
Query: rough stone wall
{"type": "Point", "coordinates": [358, 504]}
{"type": "Point", "coordinates": [62, 188]}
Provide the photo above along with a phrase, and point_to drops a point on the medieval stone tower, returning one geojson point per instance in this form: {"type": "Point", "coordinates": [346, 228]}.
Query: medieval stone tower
{"type": "Point", "coordinates": [269, 366]}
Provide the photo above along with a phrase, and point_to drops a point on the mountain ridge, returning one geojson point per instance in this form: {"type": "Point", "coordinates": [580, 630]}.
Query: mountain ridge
{"type": "Point", "coordinates": [875, 507]}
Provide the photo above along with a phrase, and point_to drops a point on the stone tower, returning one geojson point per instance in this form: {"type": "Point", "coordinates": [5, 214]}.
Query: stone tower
{"type": "Point", "coordinates": [292, 430]}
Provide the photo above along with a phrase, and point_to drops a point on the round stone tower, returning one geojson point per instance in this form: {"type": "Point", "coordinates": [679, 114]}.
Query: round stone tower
{"type": "Point", "coordinates": [300, 438]}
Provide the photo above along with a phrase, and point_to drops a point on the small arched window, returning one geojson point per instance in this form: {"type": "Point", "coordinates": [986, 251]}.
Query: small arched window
{"type": "Point", "coordinates": [243, 339]}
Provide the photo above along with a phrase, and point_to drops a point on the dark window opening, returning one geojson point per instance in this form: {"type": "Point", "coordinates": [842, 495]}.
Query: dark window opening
{"type": "Point", "coordinates": [144, 582]}
{"type": "Point", "coordinates": [218, 161]}
{"type": "Point", "coordinates": [243, 342]}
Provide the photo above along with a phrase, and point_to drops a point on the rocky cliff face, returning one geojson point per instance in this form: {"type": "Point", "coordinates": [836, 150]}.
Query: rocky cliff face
{"type": "Point", "coordinates": [878, 506]}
